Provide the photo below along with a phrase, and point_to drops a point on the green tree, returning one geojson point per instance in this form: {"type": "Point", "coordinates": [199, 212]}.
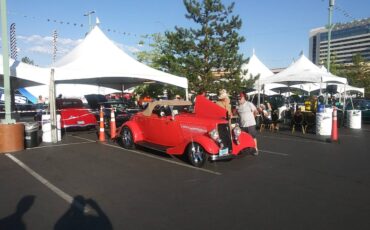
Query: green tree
{"type": "Point", "coordinates": [358, 74]}
{"type": "Point", "coordinates": [206, 54]}
{"type": "Point", "coordinates": [155, 58]}
{"type": "Point", "coordinates": [334, 67]}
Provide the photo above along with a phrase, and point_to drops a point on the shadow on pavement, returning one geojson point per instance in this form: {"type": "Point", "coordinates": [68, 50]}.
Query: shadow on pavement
{"type": "Point", "coordinates": [14, 221]}
{"type": "Point", "coordinates": [84, 214]}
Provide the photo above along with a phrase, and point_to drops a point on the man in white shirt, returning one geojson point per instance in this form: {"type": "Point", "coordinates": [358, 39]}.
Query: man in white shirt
{"type": "Point", "coordinates": [247, 112]}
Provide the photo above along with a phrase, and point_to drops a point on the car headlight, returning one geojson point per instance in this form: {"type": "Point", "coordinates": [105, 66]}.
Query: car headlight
{"type": "Point", "coordinates": [214, 134]}
{"type": "Point", "coordinates": [216, 137]}
{"type": "Point", "coordinates": [237, 131]}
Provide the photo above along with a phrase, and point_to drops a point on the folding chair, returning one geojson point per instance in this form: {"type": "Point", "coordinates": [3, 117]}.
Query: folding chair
{"type": "Point", "coordinates": [310, 121]}
{"type": "Point", "coordinates": [265, 123]}
{"type": "Point", "coordinates": [298, 120]}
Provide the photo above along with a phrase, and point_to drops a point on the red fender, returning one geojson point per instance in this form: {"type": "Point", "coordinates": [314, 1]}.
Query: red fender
{"type": "Point", "coordinates": [246, 141]}
{"type": "Point", "coordinates": [209, 145]}
{"type": "Point", "coordinates": [135, 129]}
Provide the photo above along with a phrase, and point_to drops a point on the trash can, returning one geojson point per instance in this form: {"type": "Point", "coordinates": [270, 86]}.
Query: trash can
{"type": "Point", "coordinates": [46, 128]}
{"type": "Point", "coordinates": [324, 122]}
{"type": "Point", "coordinates": [31, 134]}
{"type": "Point", "coordinates": [354, 119]}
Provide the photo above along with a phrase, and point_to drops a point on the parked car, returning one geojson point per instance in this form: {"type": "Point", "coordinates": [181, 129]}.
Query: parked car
{"type": "Point", "coordinates": [173, 127]}
{"type": "Point", "coordinates": [72, 112]}
{"type": "Point", "coordinates": [123, 108]}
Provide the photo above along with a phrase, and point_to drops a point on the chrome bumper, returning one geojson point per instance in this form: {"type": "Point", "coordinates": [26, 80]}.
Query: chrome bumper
{"type": "Point", "coordinates": [218, 157]}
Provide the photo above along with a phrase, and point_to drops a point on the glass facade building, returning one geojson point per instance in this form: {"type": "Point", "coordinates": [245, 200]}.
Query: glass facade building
{"type": "Point", "coordinates": [347, 39]}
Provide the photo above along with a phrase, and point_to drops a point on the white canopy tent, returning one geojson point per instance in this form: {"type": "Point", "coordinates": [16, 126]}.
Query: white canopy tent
{"type": "Point", "coordinates": [98, 61]}
{"type": "Point", "coordinates": [255, 68]}
{"type": "Point", "coordinates": [24, 75]}
{"type": "Point", "coordinates": [310, 87]}
{"type": "Point", "coordinates": [303, 71]}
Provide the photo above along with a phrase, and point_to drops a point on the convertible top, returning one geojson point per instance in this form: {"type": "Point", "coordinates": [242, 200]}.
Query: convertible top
{"type": "Point", "coordinates": [152, 105]}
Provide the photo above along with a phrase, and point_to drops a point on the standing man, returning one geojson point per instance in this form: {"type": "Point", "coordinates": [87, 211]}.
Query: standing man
{"type": "Point", "coordinates": [247, 113]}
{"type": "Point", "coordinates": [224, 102]}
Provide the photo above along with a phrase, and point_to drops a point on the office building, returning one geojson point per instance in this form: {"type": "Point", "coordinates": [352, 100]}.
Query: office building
{"type": "Point", "coordinates": [347, 40]}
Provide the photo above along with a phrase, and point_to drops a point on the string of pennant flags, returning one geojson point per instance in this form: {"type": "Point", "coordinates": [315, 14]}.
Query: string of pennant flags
{"type": "Point", "coordinates": [81, 25]}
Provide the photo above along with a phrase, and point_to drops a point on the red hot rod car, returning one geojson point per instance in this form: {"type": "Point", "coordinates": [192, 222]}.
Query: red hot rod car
{"type": "Point", "coordinates": [74, 115]}
{"type": "Point", "coordinates": [201, 134]}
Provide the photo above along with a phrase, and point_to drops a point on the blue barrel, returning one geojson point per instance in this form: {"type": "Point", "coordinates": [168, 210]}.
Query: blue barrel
{"type": "Point", "coordinates": [320, 108]}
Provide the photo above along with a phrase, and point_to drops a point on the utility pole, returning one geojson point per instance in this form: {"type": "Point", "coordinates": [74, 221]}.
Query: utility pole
{"type": "Point", "coordinates": [5, 49]}
{"type": "Point", "coordinates": [330, 27]}
{"type": "Point", "coordinates": [88, 14]}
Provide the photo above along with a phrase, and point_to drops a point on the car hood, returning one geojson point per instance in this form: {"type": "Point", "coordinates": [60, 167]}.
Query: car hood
{"type": "Point", "coordinates": [94, 100]}
{"type": "Point", "coordinates": [207, 109]}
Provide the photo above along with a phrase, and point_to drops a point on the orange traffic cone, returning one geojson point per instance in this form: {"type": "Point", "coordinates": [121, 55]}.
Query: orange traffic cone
{"type": "Point", "coordinates": [334, 129]}
{"type": "Point", "coordinates": [101, 130]}
{"type": "Point", "coordinates": [112, 125]}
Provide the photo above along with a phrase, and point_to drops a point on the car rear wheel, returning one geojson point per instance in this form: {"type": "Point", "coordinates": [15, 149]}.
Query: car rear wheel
{"type": "Point", "coordinates": [127, 139]}
{"type": "Point", "coordinates": [196, 154]}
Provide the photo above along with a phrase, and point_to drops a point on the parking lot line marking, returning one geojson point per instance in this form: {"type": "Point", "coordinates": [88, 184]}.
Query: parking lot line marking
{"type": "Point", "coordinates": [49, 146]}
{"type": "Point", "coordinates": [82, 138]}
{"type": "Point", "coordinates": [291, 139]}
{"type": "Point", "coordinates": [159, 158]}
{"type": "Point", "coordinates": [166, 160]}
{"type": "Point", "coordinates": [49, 185]}
{"type": "Point", "coordinates": [276, 153]}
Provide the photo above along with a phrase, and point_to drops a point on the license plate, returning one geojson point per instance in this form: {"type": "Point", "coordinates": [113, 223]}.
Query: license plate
{"type": "Point", "coordinates": [223, 152]}
{"type": "Point", "coordinates": [80, 122]}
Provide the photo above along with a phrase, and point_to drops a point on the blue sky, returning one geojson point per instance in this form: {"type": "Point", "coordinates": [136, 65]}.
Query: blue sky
{"type": "Point", "coordinates": [277, 29]}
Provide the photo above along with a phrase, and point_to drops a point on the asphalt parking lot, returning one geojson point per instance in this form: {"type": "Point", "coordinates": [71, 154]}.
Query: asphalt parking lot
{"type": "Point", "coordinates": [297, 182]}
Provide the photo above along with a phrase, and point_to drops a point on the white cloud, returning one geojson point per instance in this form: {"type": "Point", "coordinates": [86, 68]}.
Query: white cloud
{"type": "Point", "coordinates": [127, 48]}
{"type": "Point", "coordinates": [44, 44]}
{"type": "Point", "coordinates": [132, 49]}
{"type": "Point", "coordinates": [40, 49]}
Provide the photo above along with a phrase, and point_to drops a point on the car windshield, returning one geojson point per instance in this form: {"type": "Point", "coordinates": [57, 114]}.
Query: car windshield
{"type": "Point", "coordinates": [359, 104]}
{"type": "Point", "coordinates": [66, 103]}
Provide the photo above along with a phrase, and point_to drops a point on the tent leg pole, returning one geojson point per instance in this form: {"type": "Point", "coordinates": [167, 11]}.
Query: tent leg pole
{"type": "Point", "coordinates": [52, 107]}
{"type": "Point", "coordinates": [187, 94]}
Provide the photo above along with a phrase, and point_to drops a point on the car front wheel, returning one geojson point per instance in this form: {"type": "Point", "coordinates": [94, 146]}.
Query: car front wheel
{"type": "Point", "coordinates": [196, 154]}
{"type": "Point", "coordinates": [127, 139]}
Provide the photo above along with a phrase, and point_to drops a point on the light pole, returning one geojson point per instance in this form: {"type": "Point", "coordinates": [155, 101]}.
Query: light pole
{"type": "Point", "coordinates": [89, 15]}
{"type": "Point", "coordinates": [330, 27]}
{"type": "Point", "coordinates": [4, 41]}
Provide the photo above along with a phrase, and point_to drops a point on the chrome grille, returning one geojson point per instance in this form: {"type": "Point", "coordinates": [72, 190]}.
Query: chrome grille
{"type": "Point", "coordinates": [225, 135]}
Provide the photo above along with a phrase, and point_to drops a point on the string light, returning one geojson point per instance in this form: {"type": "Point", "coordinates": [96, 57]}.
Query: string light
{"type": "Point", "coordinates": [55, 49]}
{"type": "Point", "coordinates": [13, 42]}
{"type": "Point", "coordinates": [75, 24]}
{"type": "Point", "coordinates": [344, 12]}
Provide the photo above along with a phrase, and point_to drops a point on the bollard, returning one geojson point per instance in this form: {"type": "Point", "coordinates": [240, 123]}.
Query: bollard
{"type": "Point", "coordinates": [334, 129]}
{"type": "Point", "coordinates": [112, 124]}
{"type": "Point", "coordinates": [101, 129]}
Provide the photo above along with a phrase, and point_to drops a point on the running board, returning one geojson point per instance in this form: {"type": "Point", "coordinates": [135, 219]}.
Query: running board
{"type": "Point", "coordinates": [153, 146]}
